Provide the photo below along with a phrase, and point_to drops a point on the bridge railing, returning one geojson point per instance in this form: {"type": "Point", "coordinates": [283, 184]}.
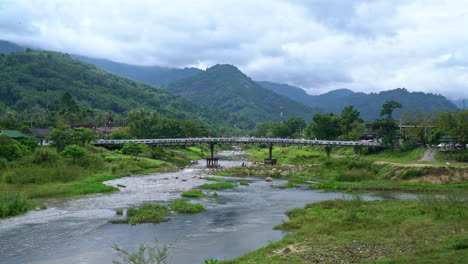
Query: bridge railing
{"type": "Point", "coordinates": [241, 140]}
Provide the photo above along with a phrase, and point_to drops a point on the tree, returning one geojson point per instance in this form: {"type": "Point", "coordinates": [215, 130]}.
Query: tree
{"type": "Point", "coordinates": [420, 123]}
{"type": "Point", "coordinates": [74, 151]}
{"type": "Point", "coordinates": [456, 124]}
{"type": "Point", "coordinates": [295, 125]}
{"type": "Point", "coordinates": [324, 126]}
{"type": "Point", "coordinates": [83, 136]}
{"type": "Point", "coordinates": [281, 130]}
{"type": "Point", "coordinates": [388, 130]}
{"type": "Point", "coordinates": [349, 116]}
{"type": "Point", "coordinates": [61, 137]}
{"type": "Point", "coordinates": [388, 108]}
{"type": "Point", "coordinates": [9, 148]}
{"type": "Point", "coordinates": [131, 148]}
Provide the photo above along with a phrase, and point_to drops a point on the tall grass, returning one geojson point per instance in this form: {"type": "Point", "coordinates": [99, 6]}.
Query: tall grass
{"type": "Point", "coordinates": [13, 204]}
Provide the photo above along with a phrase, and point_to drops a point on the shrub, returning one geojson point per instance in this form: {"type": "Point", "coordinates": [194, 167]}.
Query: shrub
{"type": "Point", "coordinates": [45, 155]}
{"type": "Point", "coordinates": [407, 145]}
{"type": "Point", "coordinates": [460, 242]}
{"type": "Point", "coordinates": [3, 163]}
{"type": "Point", "coordinates": [289, 185]}
{"type": "Point", "coordinates": [145, 254]}
{"type": "Point", "coordinates": [182, 206]}
{"type": "Point", "coordinates": [74, 151]}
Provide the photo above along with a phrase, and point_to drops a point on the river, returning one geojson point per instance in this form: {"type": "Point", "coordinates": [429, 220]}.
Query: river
{"type": "Point", "coordinates": [75, 230]}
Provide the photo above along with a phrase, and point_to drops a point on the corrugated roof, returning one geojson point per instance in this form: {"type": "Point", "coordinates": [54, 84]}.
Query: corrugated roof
{"type": "Point", "coordinates": [12, 133]}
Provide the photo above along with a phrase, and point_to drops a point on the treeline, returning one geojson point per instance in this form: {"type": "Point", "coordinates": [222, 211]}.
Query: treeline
{"type": "Point", "coordinates": [419, 126]}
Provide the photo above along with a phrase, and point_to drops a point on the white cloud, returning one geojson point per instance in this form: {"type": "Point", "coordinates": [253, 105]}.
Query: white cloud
{"type": "Point", "coordinates": [318, 44]}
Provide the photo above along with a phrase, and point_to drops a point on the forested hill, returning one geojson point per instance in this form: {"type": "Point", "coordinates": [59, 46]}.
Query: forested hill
{"type": "Point", "coordinates": [154, 75]}
{"type": "Point", "coordinates": [227, 88]}
{"type": "Point", "coordinates": [39, 79]}
{"type": "Point", "coordinates": [368, 104]}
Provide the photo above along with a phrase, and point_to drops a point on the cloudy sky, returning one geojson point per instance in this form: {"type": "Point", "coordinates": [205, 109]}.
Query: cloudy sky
{"type": "Point", "coordinates": [319, 45]}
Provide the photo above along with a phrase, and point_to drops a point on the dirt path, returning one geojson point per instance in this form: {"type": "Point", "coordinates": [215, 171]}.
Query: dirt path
{"type": "Point", "coordinates": [429, 155]}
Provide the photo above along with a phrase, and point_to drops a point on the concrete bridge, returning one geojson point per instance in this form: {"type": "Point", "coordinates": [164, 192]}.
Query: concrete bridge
{"type": "Point", "coordinates": [213, 162]}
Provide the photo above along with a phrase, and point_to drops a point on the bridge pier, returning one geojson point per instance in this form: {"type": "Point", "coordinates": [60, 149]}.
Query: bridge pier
{"type": "Point", "coordinates": [328, 150]}
{"type": "Point", "coordinates": [212, 162]}
{"type": "Point", "coordinates": [270, 160]}
{"type": "Point", "coordinates": [357, 150]}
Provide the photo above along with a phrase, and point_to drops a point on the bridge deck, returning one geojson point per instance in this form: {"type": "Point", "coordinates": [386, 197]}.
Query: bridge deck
{"type": "Point", "coordinates": [240, 140]}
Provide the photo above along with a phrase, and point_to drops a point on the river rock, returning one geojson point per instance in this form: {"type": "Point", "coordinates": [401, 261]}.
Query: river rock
{"type": "Point", "coordinates": [269, 179]}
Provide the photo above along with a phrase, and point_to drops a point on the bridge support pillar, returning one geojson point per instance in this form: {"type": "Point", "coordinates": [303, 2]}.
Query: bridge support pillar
{"type": "Point", "coordinates": [357, 150]}
{"type": "Point", "coordinates": [328, 150]}
{"type": "Point", "coordinates": [270, 160]}
{"type": "Point", "coordinates": [212, 162]}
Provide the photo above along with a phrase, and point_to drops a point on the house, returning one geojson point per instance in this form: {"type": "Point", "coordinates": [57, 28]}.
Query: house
{"type": "Point", "coordinates": [41, 135]}
{"type": "Point", "coordinates": [14, 134]}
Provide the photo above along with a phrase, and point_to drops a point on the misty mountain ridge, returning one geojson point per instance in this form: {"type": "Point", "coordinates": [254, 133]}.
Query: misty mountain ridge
{"type": "Point", "coordinates": [225, 87]}
{"type": "Point", "coordinates": [368, 104]}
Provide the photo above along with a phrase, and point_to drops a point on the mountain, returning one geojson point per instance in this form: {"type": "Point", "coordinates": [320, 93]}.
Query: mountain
{"type": "Point", "coordinates": [7, 47]}
{"type": "Point", "coordinates": [154, 75]}
{"type": "Point", "coordinates": [368, 104]}
{"type": "Point", "coordinates": [227, 88]}
{"type": "Point", "coordinates": [39, 79]}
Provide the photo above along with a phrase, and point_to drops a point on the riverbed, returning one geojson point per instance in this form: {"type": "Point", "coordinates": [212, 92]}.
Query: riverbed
{"type": "Point", "coordinates": [75, 230]}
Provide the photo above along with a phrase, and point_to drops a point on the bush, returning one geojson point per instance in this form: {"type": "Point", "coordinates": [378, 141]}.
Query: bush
{"type": "Point", "coordinates": [407, 146]}
{"type": "Point", "coordinates": [3, 163]}
{"type": "Point", "coordinates": [74, 151]}
{"type": "Point", "coordinates": [45, 155]}
{"type": "Point", "coordinates": [182, 206]}
{"type": "Point", "coordinates": [10, 149]}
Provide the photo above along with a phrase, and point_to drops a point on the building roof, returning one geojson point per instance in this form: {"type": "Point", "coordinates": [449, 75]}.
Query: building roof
{"type": "Point", "coordinates": [448, 138]}
{"type": "Point", "coordinates": [12, 133]}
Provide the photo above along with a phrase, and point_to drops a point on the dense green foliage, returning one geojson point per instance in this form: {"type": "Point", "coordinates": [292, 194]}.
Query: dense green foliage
{"type": "Point", "coordinates": [290, 128]}
{"type": "Point", "coordinates": [347, 126]}
{"type": "Point", "coordinates": [33, 85]}
{"type": "Point", "coordinates": [227, 88]}
{"type": "Point", "coordinates": [367, 104]}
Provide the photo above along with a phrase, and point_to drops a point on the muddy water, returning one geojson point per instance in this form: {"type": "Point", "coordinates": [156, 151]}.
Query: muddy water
{"type": "Point", "coordinates": [76, 230]}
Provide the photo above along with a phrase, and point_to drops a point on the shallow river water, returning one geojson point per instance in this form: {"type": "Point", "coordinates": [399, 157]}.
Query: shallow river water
{"type": "Point", "coordinates": [75, 230]}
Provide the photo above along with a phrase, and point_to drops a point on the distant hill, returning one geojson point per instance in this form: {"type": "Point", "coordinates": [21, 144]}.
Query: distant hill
{"type": "Point", "coordinates": [39, 79]}
{"type": "Point", "coordinates": [227, 88]}
{"type": "Point", "coordinates": [7, 47]}
{"type": "Point", "coordinates": [368, 104]}
{"type": "Point", "coordinates": [154, 75]}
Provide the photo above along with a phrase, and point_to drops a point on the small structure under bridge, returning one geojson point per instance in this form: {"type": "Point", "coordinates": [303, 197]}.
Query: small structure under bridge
{"type": "Point", "coordinates": [212, 162]}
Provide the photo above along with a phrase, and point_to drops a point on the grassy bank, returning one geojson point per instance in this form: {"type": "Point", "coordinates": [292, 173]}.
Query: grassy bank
{"type": "Point", "coordinates": [388, 170]}
{"type": "Point", "coordinates": [355, 231]}
{"type": "Point", "coordinates": [62, 176]}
